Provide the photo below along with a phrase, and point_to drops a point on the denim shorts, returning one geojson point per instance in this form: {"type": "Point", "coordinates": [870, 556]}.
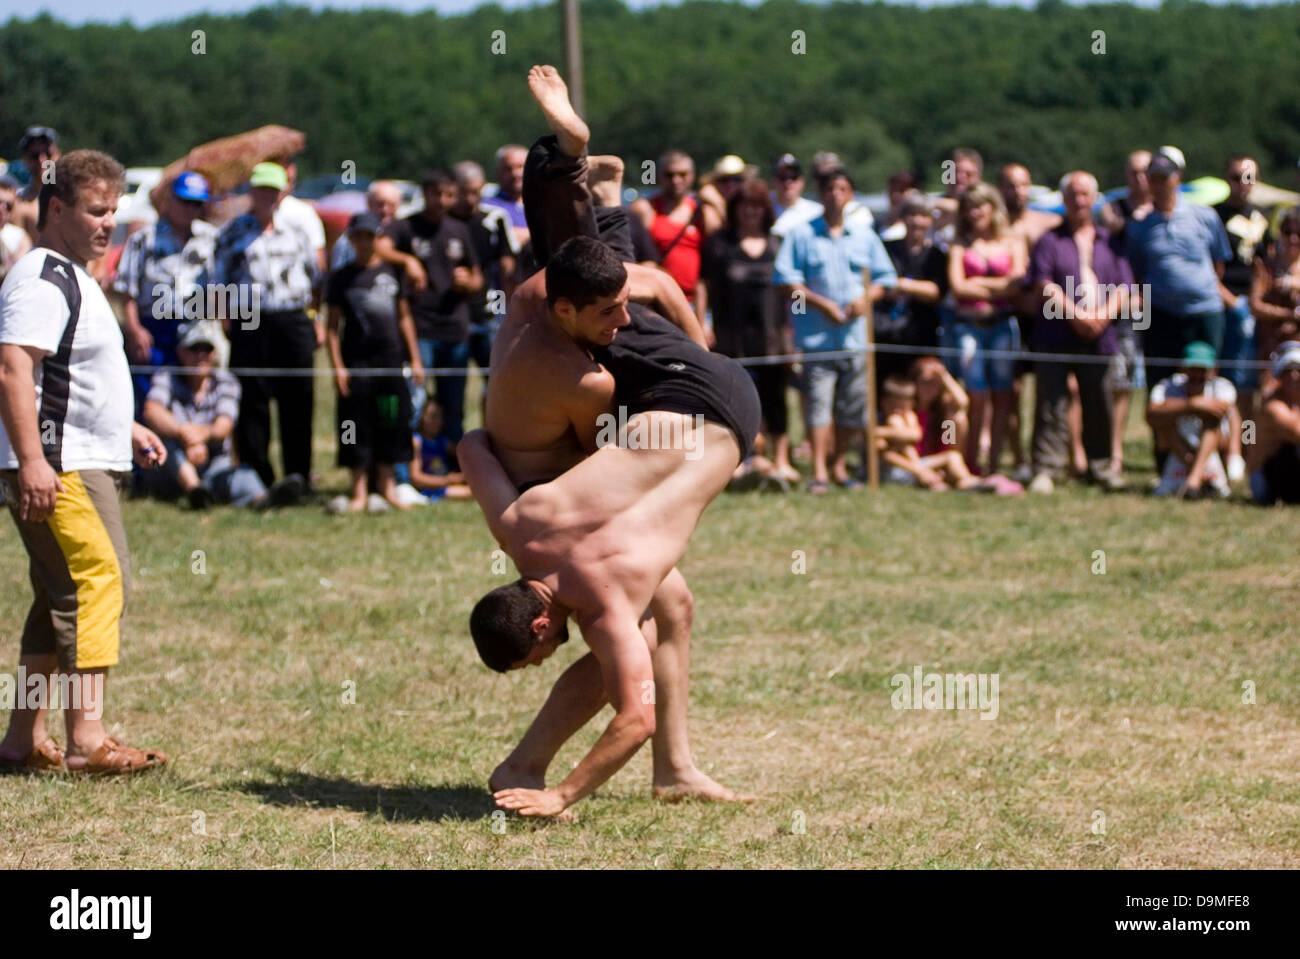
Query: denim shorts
{"type": "Point", "coordinates": [979, 371]}
{"type": "Point", "coordinates": [835, 389]}
{"type": "Point", "coordinates": [1128, 368]}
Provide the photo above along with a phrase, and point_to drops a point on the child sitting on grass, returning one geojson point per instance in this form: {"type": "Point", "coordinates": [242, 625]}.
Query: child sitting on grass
{"type": "Point", "coordinates": [432, 452]}
{"type": "Point", "coordinates": [899, 436]}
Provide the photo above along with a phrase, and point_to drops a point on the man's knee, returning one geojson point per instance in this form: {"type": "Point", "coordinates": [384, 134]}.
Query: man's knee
{"type": "Point", "coordinates": [673, 606]}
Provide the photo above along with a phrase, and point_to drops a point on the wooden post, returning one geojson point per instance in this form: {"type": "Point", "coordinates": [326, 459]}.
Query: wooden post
{"type": "Point", "coordinates": [873, 456]}
{"type": "Point", "coordinates": [573, 54]}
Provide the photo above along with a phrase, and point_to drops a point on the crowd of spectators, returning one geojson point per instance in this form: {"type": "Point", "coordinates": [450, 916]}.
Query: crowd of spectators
{"type": "Point", "coordinates": [968, 297]}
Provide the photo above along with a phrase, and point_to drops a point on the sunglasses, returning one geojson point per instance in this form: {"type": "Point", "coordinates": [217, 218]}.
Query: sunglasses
{"type": "Point", "coordinates": [201, 348]}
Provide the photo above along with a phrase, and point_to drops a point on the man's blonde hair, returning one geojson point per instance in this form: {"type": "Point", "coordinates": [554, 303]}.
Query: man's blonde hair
{"type": "Point", "coordinates": [75, 171]}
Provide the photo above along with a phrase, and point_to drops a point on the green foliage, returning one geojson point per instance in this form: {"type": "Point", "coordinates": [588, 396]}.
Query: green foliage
{"type": "Point", "coordinates": [887, 87]}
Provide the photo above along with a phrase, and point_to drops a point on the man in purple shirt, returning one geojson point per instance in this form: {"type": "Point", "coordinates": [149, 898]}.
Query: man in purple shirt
{"type": "Point", "coordinates": [1083, 284]}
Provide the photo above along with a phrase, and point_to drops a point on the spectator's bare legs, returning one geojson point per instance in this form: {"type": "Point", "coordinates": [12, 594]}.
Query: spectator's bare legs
{"type": "Point", "coordinates": [1119, 409]}
{"type": "Point", "coordinates": [844, 439]}
{"type": "Point", "coordinates": [187, 476]}
{"type": "Point", "coordinates": [978, 404]}
{"type": "Point", "coordinates": [85, 726]}
{"type": "Point", "coordinates": [360, 490]}
{"type": "Point", "coordinates": [1211, 441]}
{"type": "Point", "coordinates": [1013, 423]}
{"type": "Point", "coordinates": [1078, 457]}
{"type": "Point", "coordinates": [386, 483]}
{"type": "Point", "coordinates": [998, 428]}
{"type": "Point", "coordinates": [552, 95]}
{"type": "Point", "coordinates": [27, 726]}
{"type": "Point", "coordinates": [951, 465]}
{"type": "Point", "coordinates": [821, 451]}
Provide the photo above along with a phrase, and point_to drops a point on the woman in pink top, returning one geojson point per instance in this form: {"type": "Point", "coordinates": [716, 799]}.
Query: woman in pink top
{"type": "Point", "coordinates": [985, 267]}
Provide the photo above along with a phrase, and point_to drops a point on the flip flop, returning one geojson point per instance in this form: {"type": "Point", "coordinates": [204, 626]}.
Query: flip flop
{"type": "Point", "coordinates": [114, 759]}
{"type": "Point", "coordinates": [819, 487]}
{"type": "Point", "coordinates": [45, 758]}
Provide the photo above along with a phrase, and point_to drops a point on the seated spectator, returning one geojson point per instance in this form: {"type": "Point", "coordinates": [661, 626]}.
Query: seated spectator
{"type": "Point", "coordinates": [1275, 292]}
{"type": "Point", "coordinates": [431, 455]}
{"type": "Point", "coordinates": [371, 329]}
{"type": "Point", "coordinates": [942, 406]}
{"type": "Point", "coordinates": [899, 437]}
{"type": "Point", "coordinates": [1275, 459]}
{"type": "Point", "coordinates": [986, 263]}
{"type": "Point", "coordinates": [908, 314]}
{"type": "Point", "coordinates": [195, 415]}
{"type": "Point", "coordinates": [1191, 414]}
{"type": "Point", "coordinates": [749, 317]}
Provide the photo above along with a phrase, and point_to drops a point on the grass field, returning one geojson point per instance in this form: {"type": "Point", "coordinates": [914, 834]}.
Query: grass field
{"type": "Point", "coordinates": [1122, 738]}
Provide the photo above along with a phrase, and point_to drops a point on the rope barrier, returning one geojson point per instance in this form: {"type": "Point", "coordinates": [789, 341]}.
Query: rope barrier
{"type": "Point", "coordinates": [775, 360]}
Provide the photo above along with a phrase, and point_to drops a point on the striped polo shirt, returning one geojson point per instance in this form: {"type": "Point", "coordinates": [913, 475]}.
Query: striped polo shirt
{"type": "Point", "coordinates": [84, 401]}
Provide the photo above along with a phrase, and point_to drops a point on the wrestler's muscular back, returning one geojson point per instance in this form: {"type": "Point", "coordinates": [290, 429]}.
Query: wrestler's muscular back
{"type": "Point", "coordinates": [541, 383]}
{"type": "Point", "coordinates": [616, 523]}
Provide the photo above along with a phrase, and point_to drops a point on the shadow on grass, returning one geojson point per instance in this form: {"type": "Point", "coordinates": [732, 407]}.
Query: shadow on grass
{"type": "Point", "coordinates": [436, 803]}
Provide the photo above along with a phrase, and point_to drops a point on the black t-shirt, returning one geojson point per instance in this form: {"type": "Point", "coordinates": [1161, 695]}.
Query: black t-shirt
{"type": "Point", "coordinates": [489, 232]}
{"type": "Point", "coordinates": [745, 303]}
{"type": "Point", "coordinates": [440, 312]}
{"type": "Point", "coordinates": [908, 322]}
{"type": "Point", "coordinates": [1247, 228]}
{"type": "Point", "coordinates": [644, 249]}
{"type": "Point", "coordinates": [368, 297]}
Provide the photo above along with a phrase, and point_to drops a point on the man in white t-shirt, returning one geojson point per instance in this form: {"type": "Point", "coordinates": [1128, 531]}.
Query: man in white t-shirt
{"type": "Point", "coordinates": [66, 443]}
{"type": "Point", "coordinates": [301, 215]}
{"type": "Point", "coordinates": [1192, 414]}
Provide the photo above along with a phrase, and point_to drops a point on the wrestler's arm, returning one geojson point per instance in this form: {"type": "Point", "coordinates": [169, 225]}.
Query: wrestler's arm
{"type": "Point", "coordinates": [490, 484]}
{"type": "Point", "coordinates": [655, 288]}
{"type": "Point", "coordinates": [616, 641]}
{"type": "Point", "coordinates": [584, 406]}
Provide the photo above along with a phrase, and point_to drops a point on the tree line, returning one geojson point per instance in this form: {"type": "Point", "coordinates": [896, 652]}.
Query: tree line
{"type": "Point", "coordinates": [888, 87]}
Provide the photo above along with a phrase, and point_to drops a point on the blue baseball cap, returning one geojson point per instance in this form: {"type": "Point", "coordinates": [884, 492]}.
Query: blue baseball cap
{"type": "Point", "coordinates": [191, 186]}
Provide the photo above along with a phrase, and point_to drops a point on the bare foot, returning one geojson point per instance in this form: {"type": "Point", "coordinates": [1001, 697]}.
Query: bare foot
{"type": "Point", "coordinates": [509, 776]}
{"type": "Point", "coordinates": [696, 785]}
{"type": "Point", "coordinates": [552, 95]}
{"type": "Point", "coordinates": [605, 179]}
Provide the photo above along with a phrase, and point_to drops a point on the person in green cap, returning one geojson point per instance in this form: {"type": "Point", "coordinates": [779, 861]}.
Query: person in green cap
{"type": "Point", "coordinates": [1193, 413]}
{"type": "Point", "coordinates": [266, 270]}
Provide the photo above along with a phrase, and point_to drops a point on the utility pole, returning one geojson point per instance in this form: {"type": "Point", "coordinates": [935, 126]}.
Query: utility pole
{"type": "Point", "coordinates": [573, 54]}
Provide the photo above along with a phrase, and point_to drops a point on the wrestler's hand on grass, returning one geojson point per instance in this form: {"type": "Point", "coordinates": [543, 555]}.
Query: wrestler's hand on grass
{"type": "Point", "coordinates": [531, 802]}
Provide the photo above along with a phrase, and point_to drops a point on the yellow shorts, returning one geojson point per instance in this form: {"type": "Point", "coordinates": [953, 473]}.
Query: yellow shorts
{"type": "Point", "coordinates": [79, 570]}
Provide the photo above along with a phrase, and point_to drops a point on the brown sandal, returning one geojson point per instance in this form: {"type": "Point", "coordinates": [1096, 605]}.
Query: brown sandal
{"type": "Point", "coordinates": [45, 758]}
{"type": "Point", "coordinates": [112, 759]}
